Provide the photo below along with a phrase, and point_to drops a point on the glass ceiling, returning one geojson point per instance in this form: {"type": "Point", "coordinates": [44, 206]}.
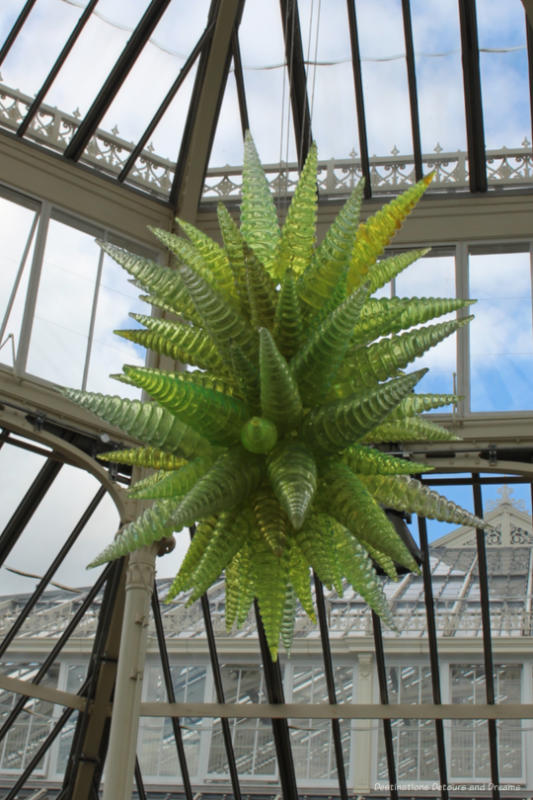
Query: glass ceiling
{"type": "Point", "coordinates": [384, 83]}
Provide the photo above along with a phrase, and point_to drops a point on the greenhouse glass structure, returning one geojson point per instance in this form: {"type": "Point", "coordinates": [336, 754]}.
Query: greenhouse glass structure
{"type": "Point", "coordinates": [119, 116]}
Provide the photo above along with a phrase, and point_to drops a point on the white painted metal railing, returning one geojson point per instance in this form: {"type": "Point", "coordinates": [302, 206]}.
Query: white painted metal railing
{"type": "Point", "coordinates": [109, 152]}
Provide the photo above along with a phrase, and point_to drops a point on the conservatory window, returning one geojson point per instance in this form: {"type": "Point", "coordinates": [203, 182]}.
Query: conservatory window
{"type": "Point", "coordinates": [312, 740]}
{"type": "Point", "coordinates": [156, 742]}
{"type": "Point", "coordinates": [501, 335]}
{"type": "Point", "coordinates": [64, 297]}
{"type": "Point", "coordinates": [33, 724]}
{"type": "Point", "coordinates": [415, 748]}
{"type": "Point", "coordinates": [252, 739]}
{"type": "Point", "coordinates": [469, 738]}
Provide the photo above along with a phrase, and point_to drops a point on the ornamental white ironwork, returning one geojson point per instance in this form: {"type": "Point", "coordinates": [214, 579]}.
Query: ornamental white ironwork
{"type": "Point", "coordinates": [154, 174]}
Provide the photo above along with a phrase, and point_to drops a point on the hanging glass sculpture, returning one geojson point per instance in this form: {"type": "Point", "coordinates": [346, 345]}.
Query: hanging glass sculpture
{"type": "Point", "coordinates": [268, 445]}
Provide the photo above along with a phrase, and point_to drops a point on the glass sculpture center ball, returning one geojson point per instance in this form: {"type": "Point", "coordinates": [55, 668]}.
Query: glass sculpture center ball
{"type": "Point", "coordinates": [259, 435]}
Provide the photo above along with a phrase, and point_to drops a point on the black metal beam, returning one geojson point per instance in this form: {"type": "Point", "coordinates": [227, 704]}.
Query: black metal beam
{"type": "Point", "coordinates": [384, 698]}
{"type": "Point", "coordinates": [359, 96]}
{"type": "Point", "coordinates": [139, 781]}
{"type": "Point", "coordinates": [15, 30]}
{"type": "Point", "coordinates": [52, 655]}
{"type": "Point", "coordinates": [239, 80]}
{"type": "Point", "coordinates": [219, 690]}
{"type": "Point", "coordinates": [411, 80]}
{"type": "Point", "coordinates": [171, 695]}
{"type": "Point", "coordinates": [433, 655]}
{"type": "Point", "coordinates": [529, 39]}
{"type": "Point", "coordinates": [4, 436]}
{"type": "Point", "coordinates": [301, 115]}
{"type": "Point", "coordinates": [485, 480]}
{"type": "Point", "coordinates": [487, 639]}
{"type": "Point", "coordinates": [154, 122]}
{"type": "Point", "coordinates": [81, 760]}
{"type": "Point", "coordinates": [477, 166]}
{"type": "Point", "coordinates": [330, 684]}
{"type": "Point", "coordinates": [204, 109]}
{"type": "Point", "coordinates": [27, 506]}
{"type": "Point", "coordinates": [280, 727]}
{"type": "Point", "coordinates": [58, 560]}
{"type": "Point", "coordinates": [50, 78]}
{"type": "Point", "coordinates": [115, 79]}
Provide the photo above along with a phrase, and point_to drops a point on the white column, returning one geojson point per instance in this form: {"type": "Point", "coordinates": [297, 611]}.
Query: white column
{"type": "Point", "coordinates": [363, 755]}
{"type": "Point", "coordinates": [120, 762]}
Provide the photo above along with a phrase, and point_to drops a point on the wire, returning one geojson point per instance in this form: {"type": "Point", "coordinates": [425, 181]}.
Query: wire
{"type": "Point", "coordinates": [314, 62]}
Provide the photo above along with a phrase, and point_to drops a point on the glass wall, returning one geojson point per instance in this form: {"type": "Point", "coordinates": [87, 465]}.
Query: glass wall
{"type": "Point", "coordinates": [415, 748]}
{"type": "Point", "coordinates": [466, 741]}
{"type": "Point", "coordinates": [469, 738]}
{"type": "Point", "coordinates": [62, 298]}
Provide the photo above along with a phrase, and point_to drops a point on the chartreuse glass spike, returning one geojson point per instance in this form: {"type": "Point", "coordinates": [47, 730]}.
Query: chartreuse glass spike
{"type": "Point", "coordinates": [376, 232]}
{"type": "Point", "coordinates": [280, 397]}
{"type": "Point", "coordinates": [369, 461]}
{"type": "Point", "coordinates": [316, 364]}
{"type": "Point", "coordinates": [176, 340]}
{"type": "Point", "coordinates": [160, 281]}
{"type": "Point", "coordinates": [386, 269]}
{"type": "Point", "coordinates": [219, 416]}
{"type": "Point", "coordinates": [234, 244]}
{"type": "Point", "coordinates": [259, 218]}
{"type": "Point", "coordinates": [330, 259]}
{"type": "Point", "coordinates": [292, 471]}
{"type": "Point", "coordinates": [147, 421]}
{"type": "Point", "coordinates": [288, 321]}
{"type": "Point", "coordinates": [407, 494]}
{"type": "Point", "coordinates": [356, 509]}
{"type": "Point", "coordinates": [261, 291]}
{"type": "Point", "coordinates": [296, 243]}
{"type": "Point", "coordinates": [144, 457]}
{"type": "Point", "coordinates": [266, 435]}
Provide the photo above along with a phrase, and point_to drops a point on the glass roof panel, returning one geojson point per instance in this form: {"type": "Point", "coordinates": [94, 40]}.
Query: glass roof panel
{"type": "Point", "coordinates": [266, 81]}
{"type": "Point", "coordinates": [439, 77]}
{"type": "Point", "coordinates": [384, 77]}
{"type": "Point", "coordinates": [330, 88]}
{"type": "Point", "coordinates": [82, 75]}
{"type": "Point", "coordinates": [227, 144]}
{"type": "Point", "coordinates": [71, 491]}
{"type": "Point", "coordinates": [38, 44]}
{"type": "Point", "coordinates": [504, 73]}
{"type": "Point", "coordinates": [10, 11]}
{"type": "Point", "coordinates": [154, 169]}
{"type": "Point", "coordinates": [18, 468]}
{"type": "Point", "coordinates": [155, 70]}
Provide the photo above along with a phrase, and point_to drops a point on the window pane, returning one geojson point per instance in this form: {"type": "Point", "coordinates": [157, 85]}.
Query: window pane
{"type": "Point", "coordinates": [156, 741]}
{"type": "Point", "coordinates": [433, 276]}
{"type": "Point", "coordinates": [32, 726]}
{"type": "Point", "coordinates": [311, 739]}
{"type": "Point", "coordinates": [16, 227]}
{"type": "Point", "coordinates": [117, 298]}
{"type": "Point", "coordinates": [469, 738]}
{"type": "Point", "coordinates": [252, 738]}
{"type": "Point", "coordinates": [501, 339]}
{"type": "Point", "coordinates": [63, 310]}
{"type": "Point", "coordinates": [415, 746]}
